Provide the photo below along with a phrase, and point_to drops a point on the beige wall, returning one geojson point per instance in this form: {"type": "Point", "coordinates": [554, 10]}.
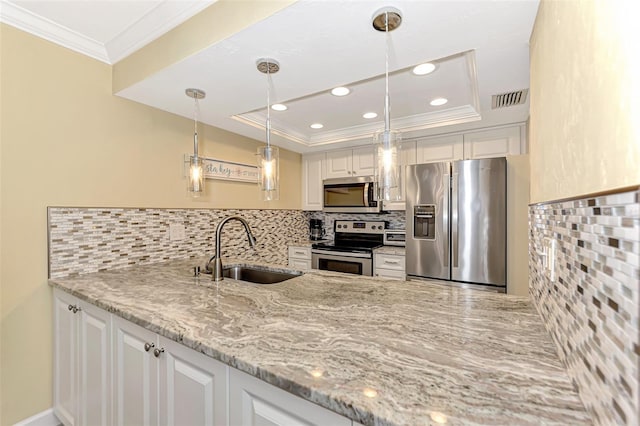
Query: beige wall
{"type": "Point", "coordinates": [585, 98]}
{"type": "Point", "coordinates": [518, 225]}
{"type": "Point", "coordinates": [65, 140]}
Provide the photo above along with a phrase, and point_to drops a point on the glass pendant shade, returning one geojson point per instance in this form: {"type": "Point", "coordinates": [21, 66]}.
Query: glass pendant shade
{"type": "Point", "coordinates": [388, 145]}
{"type": "Point", "coordinates": [269, 168]}
{"type": "Point", "coordinates": [196, 177]}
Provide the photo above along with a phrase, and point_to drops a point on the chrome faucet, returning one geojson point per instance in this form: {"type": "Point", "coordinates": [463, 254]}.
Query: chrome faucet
{"type": "Point", "coordinates": [216, 272]}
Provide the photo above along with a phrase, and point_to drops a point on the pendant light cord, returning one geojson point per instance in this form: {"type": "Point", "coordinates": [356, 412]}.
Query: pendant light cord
{"type": "Point", "coordinates": [195, 127]}
{"type": "Point", "coordinates": [387, 118]}
{"type": "Point", "coordinates": [268, 106]}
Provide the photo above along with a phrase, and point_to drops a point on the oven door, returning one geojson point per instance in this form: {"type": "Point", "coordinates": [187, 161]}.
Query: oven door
{"type": "Point", "coordinates": [349, 263]}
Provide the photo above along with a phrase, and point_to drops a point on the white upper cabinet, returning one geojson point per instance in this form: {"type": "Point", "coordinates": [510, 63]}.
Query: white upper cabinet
{"type": "Point", "coordinates": [364, 161]}
{"type": "Point", "coordinates": [351, 162]}
{"type": "Point", "coordinates": [439, 148]}
{"type": "Point", "coordinates": [498, 142]}
{"type": "Point", "coordinates": [312, 175]}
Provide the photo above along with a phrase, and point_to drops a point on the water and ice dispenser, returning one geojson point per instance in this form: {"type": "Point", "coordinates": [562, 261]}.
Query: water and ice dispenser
{"type": "Point", "coordinates": [424, 221]}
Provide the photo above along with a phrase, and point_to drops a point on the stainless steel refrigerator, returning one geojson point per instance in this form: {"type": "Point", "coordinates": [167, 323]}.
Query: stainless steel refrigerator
{"type": "Point", "coordinates": [456, 221]}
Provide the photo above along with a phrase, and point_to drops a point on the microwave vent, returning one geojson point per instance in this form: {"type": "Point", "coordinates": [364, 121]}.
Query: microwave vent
{"type": "Point", "coordinates": [509, 99]}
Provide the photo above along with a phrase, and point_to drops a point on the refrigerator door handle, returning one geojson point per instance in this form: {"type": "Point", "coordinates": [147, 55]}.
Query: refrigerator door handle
{"type": "Point", "coordinates": [446, 182]}
{"type": "Point", "coordinates": [454, 219]}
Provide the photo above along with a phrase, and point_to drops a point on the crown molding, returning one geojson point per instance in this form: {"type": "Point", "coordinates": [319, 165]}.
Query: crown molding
{"type": "Point", "coordinates": [160, 20]}
{"type": "Point", "coordinates": [28, 21]}
{"type": "Point", "coordinates": [451, 116]}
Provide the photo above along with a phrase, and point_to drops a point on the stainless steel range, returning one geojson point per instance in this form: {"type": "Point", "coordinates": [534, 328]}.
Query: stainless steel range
{"type": "Point", "coordinates": [352, 249]}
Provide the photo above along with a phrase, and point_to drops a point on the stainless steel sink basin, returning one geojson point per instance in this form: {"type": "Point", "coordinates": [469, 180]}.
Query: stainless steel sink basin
{"type": "Point", "coordinates": [257, 275]}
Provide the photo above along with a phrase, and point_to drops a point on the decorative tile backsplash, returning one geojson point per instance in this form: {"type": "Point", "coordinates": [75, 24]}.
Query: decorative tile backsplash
{"type": "Point", "coordinates": [395, 219]}
{"type": "Point", "coordinates": [592, 307]}
{"type": "Point", "coordinates": [83, 240]}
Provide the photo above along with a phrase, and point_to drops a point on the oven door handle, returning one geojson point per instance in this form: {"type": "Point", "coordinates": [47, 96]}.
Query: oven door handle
{"type": "Point", "coordinates": [342, 254]}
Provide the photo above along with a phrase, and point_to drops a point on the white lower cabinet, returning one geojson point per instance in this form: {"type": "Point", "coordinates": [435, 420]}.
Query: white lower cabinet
{"type": "Point", "coordinates": [108, 370]}
{"type": "Point", "coordinates": [159, 381]}
{"type": "Point", "coordinates": [82, 362]}
{"type": "Point", "coordinates": [135, 386]}
{"type": "Point", "coordinates": [300, 257]}
{"type": "Point", "coordinates": [253, 402]}
{"type": "Point", "coordinates": [193, 387]}
{"type": "Point", "coordinates": [390, 266]}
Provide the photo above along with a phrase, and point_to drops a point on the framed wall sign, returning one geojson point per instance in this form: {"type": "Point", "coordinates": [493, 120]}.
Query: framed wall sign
{"type": "Point", "coordinates": [226, 170]}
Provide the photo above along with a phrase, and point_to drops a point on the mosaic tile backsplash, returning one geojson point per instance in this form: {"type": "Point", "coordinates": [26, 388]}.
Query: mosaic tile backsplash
{"type": "Point", "coordinates": [84, 240]}
{"type": "Point", "coordinates": [395, 219]}
{"type": "Point", "coordinates": [591, 308]}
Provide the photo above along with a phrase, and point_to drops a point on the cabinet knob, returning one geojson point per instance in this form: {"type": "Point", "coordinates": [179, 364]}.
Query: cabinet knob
{"type": "Point", "coordinates": [71, 307]}
{"type": "Point", "coordinates": [74, 308]}
{"type": "Point", "coordinates": [148, 346]}
{"type": "Point", "coordinates": [157, 352]}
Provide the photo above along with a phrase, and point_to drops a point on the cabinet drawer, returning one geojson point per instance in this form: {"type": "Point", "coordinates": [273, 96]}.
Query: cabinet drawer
{"type": "Point", "coordinates": [300, 252]}
{"type": "Point", "coordinates": [301, 264]}
{"type": "Point", "coordinates": [389, 261]}
{"type": "Point", "coordinates": [391, 274]}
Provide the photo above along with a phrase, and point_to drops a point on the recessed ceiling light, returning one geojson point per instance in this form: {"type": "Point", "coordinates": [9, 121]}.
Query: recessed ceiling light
{"type": "Point", "coordinates": [340, 91]}
{"type": "Point", "coordinates": [369, 115]}
{"type": "Point", "coordinates": [424, 69]}
{"type": "Point", "coordinates": [439, 101]}
{"type": "Point", "coordinates": [316, 126]}
{"type": "Point", "coordinates": [279, 107]}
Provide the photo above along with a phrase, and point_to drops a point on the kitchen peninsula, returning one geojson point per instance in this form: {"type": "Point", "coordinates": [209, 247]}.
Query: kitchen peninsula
{"type": "Point", "coordinates": [375, 351]}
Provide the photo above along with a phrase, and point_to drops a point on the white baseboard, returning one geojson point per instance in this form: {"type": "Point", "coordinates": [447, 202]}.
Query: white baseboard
{"type": "Point", "coordinates": [45, 418]}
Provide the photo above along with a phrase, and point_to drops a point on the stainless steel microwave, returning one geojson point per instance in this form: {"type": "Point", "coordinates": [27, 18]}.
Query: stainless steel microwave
{"type": "Point", "coordinates": [350, 195]}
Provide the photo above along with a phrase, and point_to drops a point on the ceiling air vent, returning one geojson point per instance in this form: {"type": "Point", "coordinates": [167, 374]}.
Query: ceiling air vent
{"type": "Point", "coordinates": [509, 99]}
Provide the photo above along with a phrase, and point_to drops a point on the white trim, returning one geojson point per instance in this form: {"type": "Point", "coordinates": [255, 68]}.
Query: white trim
{"type": "Point", "coordinates": [456, 115]}
{"type": "Point", "coordinates": [151, 26]}
{"type": "Point", "coordinates": [45, 418]}
{"type": "Point", "coordinates": [28, 21]}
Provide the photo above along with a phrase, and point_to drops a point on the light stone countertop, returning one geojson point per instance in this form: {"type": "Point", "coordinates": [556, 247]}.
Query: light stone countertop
{"type": "Point", "coordinates": [478, 358]}
{"type": "Point", "coordinates": [395, 250]}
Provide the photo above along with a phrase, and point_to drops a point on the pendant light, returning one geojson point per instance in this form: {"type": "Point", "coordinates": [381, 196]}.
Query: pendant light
{"type": "Point", "coordinates": [268, 156]}
{"type": "Point", "coordinates": [388, 142]}
{"type": "Point", "coordinates": [195, 184]}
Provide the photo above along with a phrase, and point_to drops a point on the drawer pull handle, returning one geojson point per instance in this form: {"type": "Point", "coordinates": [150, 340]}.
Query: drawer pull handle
{"type": "Point", "coordinates": [395, 262]}
{"type": "Point", "coordinates": [148, 346]}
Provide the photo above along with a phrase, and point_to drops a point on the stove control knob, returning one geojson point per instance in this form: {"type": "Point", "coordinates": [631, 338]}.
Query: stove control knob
{"type": "Point", "coordinates": [379, 227]}
{"type": "Point", "coordinates": [339, 226]}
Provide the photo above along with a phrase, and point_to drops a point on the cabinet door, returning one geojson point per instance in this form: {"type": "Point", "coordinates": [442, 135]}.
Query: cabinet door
{"type": "Point", "coordinates": [65, 353]}
{"type": "Point", "coordinates": [363, 161]}
{"type": "Point", "coordinates": [135, 375]}
{"type": "Point", "coordinates": [312, 175]}
{"type": "Point", "coordinates": [339, 164]}
{"type": "Point", "coordinates": [492, 143]}
{"type": "Point", "coordinates": [439, 148]}
{"type": "Point", "coordinates": [253, 402]}
{"type": "Point", "coordinates": [95, 365]}
{"type": "Point", "coordinates": [193, 387]}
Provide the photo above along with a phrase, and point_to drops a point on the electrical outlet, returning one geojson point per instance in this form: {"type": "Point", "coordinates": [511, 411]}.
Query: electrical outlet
{"type": "Point", "coordinates": [550, 246]}
{"type": "Point", "coordinates": [176, 232]}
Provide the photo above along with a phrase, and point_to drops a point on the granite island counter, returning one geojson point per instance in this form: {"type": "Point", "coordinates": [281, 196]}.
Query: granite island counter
{"type": "Point", "coordinates": [376, 351]}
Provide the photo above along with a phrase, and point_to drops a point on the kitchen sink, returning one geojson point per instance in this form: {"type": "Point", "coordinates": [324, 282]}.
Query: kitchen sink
{"type": "Point", "coordinates": [257, 275]}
